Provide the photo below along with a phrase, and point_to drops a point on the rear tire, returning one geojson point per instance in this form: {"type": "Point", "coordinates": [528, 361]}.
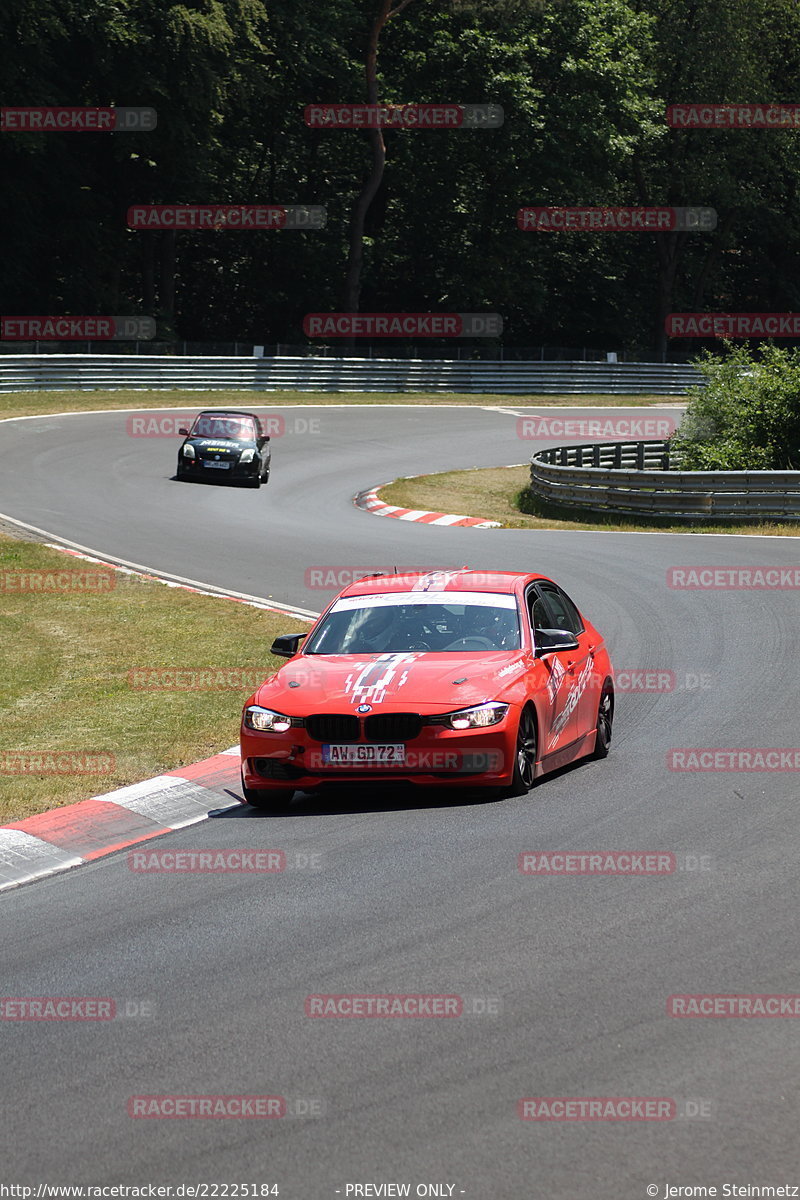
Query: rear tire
{"type": "Point", "coordinates": [605, 722]}
{"type": "Point", "coordinates": [268, 799]}
{"type": "Point", "coordinates": [525, 755]}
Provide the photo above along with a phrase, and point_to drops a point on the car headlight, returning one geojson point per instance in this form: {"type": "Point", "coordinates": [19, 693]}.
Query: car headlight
{"type": "Point", "coordinates": [188, 451]}
{"type": "Point", "coordinates": [265, 720]}
{"type": "Point", "coordinates": [247, 455]}
{"type": "Point", "coordinates": [490, 713]}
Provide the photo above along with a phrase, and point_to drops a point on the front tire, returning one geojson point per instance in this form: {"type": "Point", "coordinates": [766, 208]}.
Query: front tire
{"type": "Point", "coordinates": [605, 721]}
{"type": "Point", "coordinates": [274, 800]}
{"type": "Point", "coordinates": [525, 754]}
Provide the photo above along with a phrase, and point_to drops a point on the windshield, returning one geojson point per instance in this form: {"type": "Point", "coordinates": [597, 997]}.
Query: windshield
{"type": "Point", "coordinates": [241, 429]}
{"type": "Point", "coordinates": [438, 621]}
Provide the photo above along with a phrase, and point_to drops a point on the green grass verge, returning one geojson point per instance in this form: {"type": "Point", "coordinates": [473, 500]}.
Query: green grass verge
{"type": "Point", "coordinates": [501, 494]}
{"type": "Point", "coordinates": [27, 404]}
{"type": "Point", "coordinates": [65, 686]}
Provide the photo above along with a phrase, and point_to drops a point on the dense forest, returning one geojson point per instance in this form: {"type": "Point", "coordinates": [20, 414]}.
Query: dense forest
{"type": "Point", "coordinates": [583, 86]}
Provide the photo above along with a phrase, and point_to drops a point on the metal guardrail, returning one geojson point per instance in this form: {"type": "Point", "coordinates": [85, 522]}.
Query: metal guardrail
{"type": "Point", "coordinates": [49, 372]}
{"type": "Point", "coordinates": [641, 477]}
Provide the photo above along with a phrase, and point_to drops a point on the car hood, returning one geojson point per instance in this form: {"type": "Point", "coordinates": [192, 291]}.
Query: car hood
{"type": "Point", "coordinates": [219, 445]}
{"type": "Point", "coordinates": [423, 681]}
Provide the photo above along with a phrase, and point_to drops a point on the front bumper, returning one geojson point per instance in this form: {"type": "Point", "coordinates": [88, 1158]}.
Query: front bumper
{"type": "Point", "coordinates": [437, 757]}
{"type": "Point", "coordinates": [195, 468]}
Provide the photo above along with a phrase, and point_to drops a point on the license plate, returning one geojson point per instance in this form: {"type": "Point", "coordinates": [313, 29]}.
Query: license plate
{"type": "Point", "coordinates": [346, 755]}
{"type": "Point", "coordinates": [221, 466]}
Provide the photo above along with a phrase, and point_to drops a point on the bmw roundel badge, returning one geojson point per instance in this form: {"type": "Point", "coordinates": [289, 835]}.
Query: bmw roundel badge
{"type": "Point", "coordinates": [362, 708]}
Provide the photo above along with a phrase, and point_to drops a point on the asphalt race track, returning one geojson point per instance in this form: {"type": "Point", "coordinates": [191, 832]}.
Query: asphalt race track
{"type": "Point", "coordinates": [422, 894]}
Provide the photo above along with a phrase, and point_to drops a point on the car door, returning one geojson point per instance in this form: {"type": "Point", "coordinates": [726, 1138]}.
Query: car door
{"type": "Point", "coordinates": [579, 663]}
{"type": "Point", "coordinates": [562, 724]}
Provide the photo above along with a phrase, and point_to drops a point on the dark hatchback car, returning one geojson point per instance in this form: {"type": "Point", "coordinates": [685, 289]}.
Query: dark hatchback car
{"type": "Point", "coordinates": [225, 444]}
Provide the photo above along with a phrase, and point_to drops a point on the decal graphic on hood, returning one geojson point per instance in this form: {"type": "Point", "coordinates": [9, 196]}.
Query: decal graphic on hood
{"type": "Point", "coordinates": [372, 681]}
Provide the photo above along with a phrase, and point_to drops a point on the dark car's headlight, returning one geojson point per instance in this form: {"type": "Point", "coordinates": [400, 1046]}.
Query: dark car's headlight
{"type": "Point", "coordinates": [247, 455]}
{"type": "Point", "coordinates": [490, 713]}
{"type": "Point", "coordinates": [188, 451]}
{"type": "Point", "coordinates": [265, 720]}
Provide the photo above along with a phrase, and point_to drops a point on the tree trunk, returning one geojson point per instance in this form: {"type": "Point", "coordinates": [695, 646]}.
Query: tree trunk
{"type": "Point", "coordinates": [670, 248]}
{"type": "Point", "coordinates": [148, 273]}
{"type": "Point", "coordinates": [166, 293]}
{"type": "Point", "coordinates": [355, 258]}
{"type": "Point", "coordinates": [712, 258]}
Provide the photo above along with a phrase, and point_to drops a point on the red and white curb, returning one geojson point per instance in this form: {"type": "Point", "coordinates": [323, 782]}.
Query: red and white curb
{"type": "Point", "coordinates": [371, 502]}
{"type": "Point", "coordinates": [79, 833]}
{"type": "Point", "coordinates": [76, 834]}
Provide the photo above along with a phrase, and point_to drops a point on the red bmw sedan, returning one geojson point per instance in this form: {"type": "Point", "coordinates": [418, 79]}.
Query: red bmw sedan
{"type": "Point", "coordinates": [445, 679]}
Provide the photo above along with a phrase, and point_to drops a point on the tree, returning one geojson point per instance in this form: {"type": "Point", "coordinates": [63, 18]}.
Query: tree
{"type": "Point", "coordinates": [747, 417]}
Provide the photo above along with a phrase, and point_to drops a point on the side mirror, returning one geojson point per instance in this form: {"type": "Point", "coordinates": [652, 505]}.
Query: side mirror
{"type": "Point", "coordinates": [183, 431]}
{"type": "Point", "coordinates": [287, 645]}
{"type": "Point", "coordinates": [548, 641]}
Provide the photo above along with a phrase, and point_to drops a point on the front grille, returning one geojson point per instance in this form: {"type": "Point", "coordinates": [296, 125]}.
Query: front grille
{"type": "Point", "coordinates": [333, 727]}
{"type": "Point", "coordinates": [392, 727]}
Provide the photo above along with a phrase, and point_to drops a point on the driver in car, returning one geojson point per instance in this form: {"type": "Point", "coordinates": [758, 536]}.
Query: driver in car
{"type": "Point", "coordinates": [485, 629]}
{"type": "Point", "coordinates": [374, 633]}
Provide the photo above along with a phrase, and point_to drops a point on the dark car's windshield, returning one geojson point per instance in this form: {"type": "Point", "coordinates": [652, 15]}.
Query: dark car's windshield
{"type": "Point", "coordinates": [240, 429]}
{"type": "Point", "coordinates": [438, 621]}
